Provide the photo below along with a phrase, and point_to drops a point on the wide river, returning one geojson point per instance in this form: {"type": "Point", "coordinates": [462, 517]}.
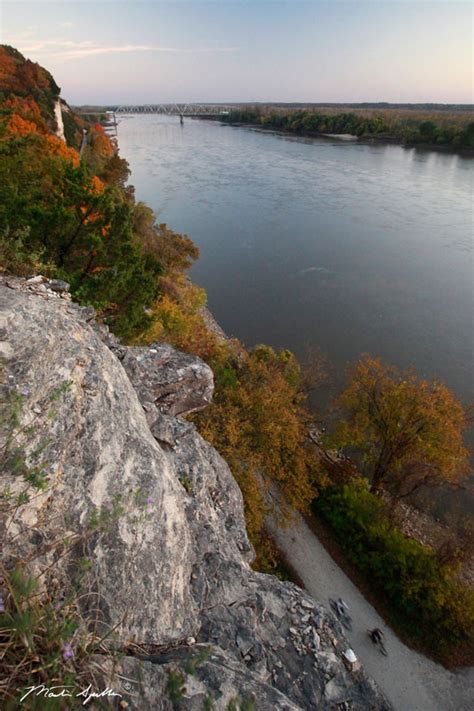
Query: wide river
{"type": "Point", "coordinates": [323, 243]}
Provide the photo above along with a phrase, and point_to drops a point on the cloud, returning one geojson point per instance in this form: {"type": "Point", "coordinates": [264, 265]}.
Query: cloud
{"type": "Point", "coordinates": [44, 45]}
{"type": "Point", "coordinates": [121, 49]}
{"type": "Point", "coordinates": [23, 36]}
{"type": "Point", "coordinates": [68, 49]}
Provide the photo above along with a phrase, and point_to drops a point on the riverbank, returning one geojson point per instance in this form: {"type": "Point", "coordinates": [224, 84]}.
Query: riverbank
{"type": "Point", "coordinates": [240, 414]}
{"type": "Point", "coordinates": [361, 140]}
{"type": "Point", "coordinates": [326, 537]}
{"type": "Point", "coordinates": [408, 525]}
{"type": "Point", "coordinates": [410, 519]}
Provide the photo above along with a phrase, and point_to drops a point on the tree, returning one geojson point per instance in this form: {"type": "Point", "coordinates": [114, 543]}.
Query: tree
{"type": "Point", "coordinates": [78, 226]}
{"type": "Point", "coordinates": [259, 424]}
{"type": "Point", "coordinates": [427, 130]}
{"type": "Point", "coordinates": [408, 432]}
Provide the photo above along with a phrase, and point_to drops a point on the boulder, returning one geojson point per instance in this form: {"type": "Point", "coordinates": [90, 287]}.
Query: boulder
{"type": "Point", "coordinates": [175, 382]}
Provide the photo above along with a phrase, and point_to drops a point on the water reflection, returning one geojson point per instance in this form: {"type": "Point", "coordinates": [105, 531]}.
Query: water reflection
{"type": "Point", "coordinates": [346, 246]}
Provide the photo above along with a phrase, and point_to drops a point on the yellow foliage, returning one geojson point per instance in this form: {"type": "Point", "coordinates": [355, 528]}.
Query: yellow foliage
{"type": "Point", "coordinates": [409, 431]}
{"type": "Point", "coordinates": [258, 421]}
{"type": "Point", "coordinates": [259, 424]}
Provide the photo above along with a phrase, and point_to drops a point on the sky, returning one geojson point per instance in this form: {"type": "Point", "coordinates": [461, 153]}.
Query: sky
{"type": "Point", "coordinates": [128, 51]}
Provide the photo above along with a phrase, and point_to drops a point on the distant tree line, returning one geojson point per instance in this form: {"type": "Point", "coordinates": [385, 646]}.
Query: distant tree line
{"type": "Point", "coordinates": [407, 127]}
{"type": "Point", "coordinates": [371, 105]}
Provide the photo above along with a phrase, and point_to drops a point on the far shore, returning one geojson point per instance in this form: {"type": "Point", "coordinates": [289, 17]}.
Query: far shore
{"type": "Point", "coordinates": [381, 139]}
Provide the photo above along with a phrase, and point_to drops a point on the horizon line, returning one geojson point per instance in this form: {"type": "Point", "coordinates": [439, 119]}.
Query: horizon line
{"type": "Point", "coordinates": [262, 102]}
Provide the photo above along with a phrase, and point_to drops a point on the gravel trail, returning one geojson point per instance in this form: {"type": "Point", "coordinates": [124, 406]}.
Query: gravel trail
{"type": "Point", "coordinates": [410, 681]}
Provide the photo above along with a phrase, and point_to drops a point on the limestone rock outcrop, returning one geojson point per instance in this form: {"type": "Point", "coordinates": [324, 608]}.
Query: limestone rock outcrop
{"type": "Point", "coordinates": [176, 383]}
{"type": "Point", "coordinates": [170, 571]}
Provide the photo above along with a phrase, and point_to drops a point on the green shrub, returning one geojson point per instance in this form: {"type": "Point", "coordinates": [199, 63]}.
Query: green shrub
{"type": "Point", "coordinates": [446, 128]}
{"type": "Point", "coordinates": [427, 596]}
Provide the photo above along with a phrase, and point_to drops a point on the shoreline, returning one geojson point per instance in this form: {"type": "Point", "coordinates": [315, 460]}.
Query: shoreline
{"type": "Point", "coordinates": [355, 140]}
{"type": "Point", "coordinates": [412, 527]}
{"type": "Point", "coordinates": [412, 521]}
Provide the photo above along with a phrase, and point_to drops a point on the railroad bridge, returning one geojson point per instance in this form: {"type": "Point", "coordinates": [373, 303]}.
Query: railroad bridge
{"type": "Point", "coordinates": [177, 109]}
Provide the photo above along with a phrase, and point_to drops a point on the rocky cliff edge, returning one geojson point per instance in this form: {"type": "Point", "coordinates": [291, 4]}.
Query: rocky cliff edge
{"type": "Point", "coordinates": [170, 574]}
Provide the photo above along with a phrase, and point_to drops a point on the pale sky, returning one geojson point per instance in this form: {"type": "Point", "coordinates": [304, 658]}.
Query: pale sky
{"type": "Point", "coordinates": [128, 51]}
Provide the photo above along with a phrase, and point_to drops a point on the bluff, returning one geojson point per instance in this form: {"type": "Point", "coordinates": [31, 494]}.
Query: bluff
{"type": "Point", "coordinates": [28, 91]}
{"type": "Point", "coordinates": [170, 574]}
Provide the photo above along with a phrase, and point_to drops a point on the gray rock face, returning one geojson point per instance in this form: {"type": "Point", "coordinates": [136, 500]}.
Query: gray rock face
{"type": "Point", "coordinates": [100, 454]}
{"type": "Point", "coordinates": [176, 383]}
{"type": "Point", "coordinates": [171, 571]}
{"type": "Point", "coordinates": [199, 674]}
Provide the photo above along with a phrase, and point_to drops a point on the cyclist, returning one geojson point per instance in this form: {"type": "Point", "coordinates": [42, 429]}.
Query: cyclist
{"type": "Point", "coordinates": [376, 635]}
{"type": "Point", "coordinates": [341, 607]}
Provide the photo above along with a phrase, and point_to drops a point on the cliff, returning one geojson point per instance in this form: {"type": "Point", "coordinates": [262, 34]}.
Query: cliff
{"type": "Point", "coordinates": [29, 91]}
{"type": "Point", "coordinates": [170, 571]}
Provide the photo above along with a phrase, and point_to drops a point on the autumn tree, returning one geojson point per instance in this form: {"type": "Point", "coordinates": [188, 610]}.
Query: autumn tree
{"type": "Point", "coordinates": [175, 252]}
{"type": "Point", "coordinates": [258, 422]}
{"type": "Point", "coordinates": [407, 432]}
{"type": "Point", "coordinates": [77, 225]}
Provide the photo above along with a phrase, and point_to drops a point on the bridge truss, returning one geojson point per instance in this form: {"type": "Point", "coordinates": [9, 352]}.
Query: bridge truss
{"type": "Point", "coordinates": [176, 109]}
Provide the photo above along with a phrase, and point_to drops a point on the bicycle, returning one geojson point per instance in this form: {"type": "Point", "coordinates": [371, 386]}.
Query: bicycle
{"type": "Point", "coordinates": [343, 617]}
{"type": "Point", "coordinates": [378, 643]}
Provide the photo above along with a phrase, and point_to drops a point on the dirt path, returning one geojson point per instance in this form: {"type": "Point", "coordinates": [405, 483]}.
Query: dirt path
{"type": "Point", "coordinates": [410, 681]}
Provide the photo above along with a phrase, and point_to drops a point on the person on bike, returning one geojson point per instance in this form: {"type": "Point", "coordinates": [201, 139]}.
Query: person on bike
{"type": "Point", "coordinates": [376, 635]}
{"type": "Point", "coordinates": [341, 607]}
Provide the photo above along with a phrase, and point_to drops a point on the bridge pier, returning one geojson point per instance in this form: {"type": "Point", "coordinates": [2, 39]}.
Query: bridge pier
{"type": "Point", "coordinates": [181, 119]}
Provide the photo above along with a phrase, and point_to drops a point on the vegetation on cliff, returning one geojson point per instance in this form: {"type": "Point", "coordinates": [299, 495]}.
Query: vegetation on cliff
{"type": "Point", "coordinates": [67, 217]}
{"type": "Point", "coordinates": [257, 420]}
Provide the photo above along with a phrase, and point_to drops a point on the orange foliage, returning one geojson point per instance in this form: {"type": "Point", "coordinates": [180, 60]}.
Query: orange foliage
{"type": "Point", "coordinates": [57, 147]}
{"type": "Point", "coordinates": [18, 126]}
{"type": "Point", "coordinates": [21, 76]}
{"type": "Point", "coordinates": [97, 186]}
{"type": "Point", "coordinates": [27, 108]}
{"type": "Point", "coordinates": [93, 217]}
{"type": "Point", "coordinates": [8, 65]}
{"type": "Point", "coordinates": [101, 142]}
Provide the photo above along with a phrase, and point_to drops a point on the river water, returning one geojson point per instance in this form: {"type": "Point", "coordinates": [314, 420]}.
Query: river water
{"type": "Point", "coordinates": [323, 243]}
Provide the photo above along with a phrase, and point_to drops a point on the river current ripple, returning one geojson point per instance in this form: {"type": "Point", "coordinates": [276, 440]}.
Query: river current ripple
{"type": "Point", "coordinates": [307, 243]}
{"type": "Point", "coordinates": [313, 242]}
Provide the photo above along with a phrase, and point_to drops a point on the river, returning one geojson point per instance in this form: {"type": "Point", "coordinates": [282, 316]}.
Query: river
{"type": "Point", "coordinates": [323, 243]}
